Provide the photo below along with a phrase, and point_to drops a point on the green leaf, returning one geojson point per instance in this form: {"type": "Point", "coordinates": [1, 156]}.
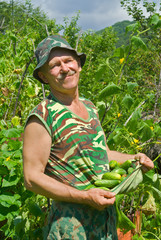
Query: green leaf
{"type": "Point", "coordinates": [148, 176]}
{"type": "Point", "coordinates": [11, 133]}
{"type": "Point", "coordinates": [17, 154]}
{"type": "Point", "coordinates": [138, 42]}
{"type": "Point", "coordinates": [101, 108]}
{"type": "Point", "coordinates": [8, 212]}
{"type": "Point", "coordinates": [123, 222]}
{"type": "Point", "coordinates": [3, 212]}
{"type": "Point", "coordinates": [25, 55]}
{"type": "Point", "coordinates": [19, 223]}
{"type": "Point", "coordinates": [136, 115]}
{"type": "Point", "coordinates": [35, 209]}
{"type": "Point", "coordinates": [10, 181]}
{"type": "Point", "coordinates": [127, 101]}
{"type": "Point", "coordinates": [119, 138]}
{"type": "Point", "coordinates": [150, 205]}
{"type": "Point", "coordinates": [119, 52]}
{"type": "Point", "coordinates": [133, 124]}
{"type": "Point", "coordinates": [14, 144]}
{"type": "Point", "coordinates": [157, 130]}
{"type": "Point", "coordinates": [156, 193]}
{"type": "Point", "coordinates": [111, 89]}
{"type": "Point", "coordinates": [8, 199]}
{"type": "Point", "coordinates": [154, 19]}
{"type": "Point", "coordinates": [10, 164]}
{"type": "Point", "coordinates": [15, 121]}
{"type": "Point", "coordinates": [131, 86]}
{"type": "Point", "coordinates": [31, 91]}
{"type": "Point", "coordinates": [13, 38]}
{"type": "Point", "coordinates": [151, 96]}
{"type": "Point", "coordinates": [3, 170]}
{"type": "Point", "coordinates": [158, 24]}
{"type": "Point", "coordinates": [101, 69]}
{"type": "Point", "coordinates": [145, 132]}
{"type": "Point", "coordinates": [132, 27]}
{"type": "Point", "coordinates": [4, 147]}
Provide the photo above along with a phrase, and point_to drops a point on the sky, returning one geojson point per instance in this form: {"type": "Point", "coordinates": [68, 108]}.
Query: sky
{"type": "Point", "coordinates": [94, 14]}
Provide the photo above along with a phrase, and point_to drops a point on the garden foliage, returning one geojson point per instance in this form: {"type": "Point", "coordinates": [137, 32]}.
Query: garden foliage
{"type": "Point", "coordinates": [123, 82]}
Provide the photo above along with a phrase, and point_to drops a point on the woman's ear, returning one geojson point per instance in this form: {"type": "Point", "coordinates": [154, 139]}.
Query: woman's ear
{"type": "Point", "coordinates": [42, 76]}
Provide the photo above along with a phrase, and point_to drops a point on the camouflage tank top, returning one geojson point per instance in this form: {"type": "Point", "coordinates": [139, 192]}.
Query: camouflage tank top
{"type": "Point", "coordinates": [78, 153]}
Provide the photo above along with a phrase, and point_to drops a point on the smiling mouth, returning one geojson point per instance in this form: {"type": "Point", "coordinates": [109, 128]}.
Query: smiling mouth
{"type": "Point", "coordinates": [61, 76]}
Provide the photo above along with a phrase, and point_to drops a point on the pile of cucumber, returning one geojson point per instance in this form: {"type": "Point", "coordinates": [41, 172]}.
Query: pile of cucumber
{"type": "Point", "coordinates": [116, 174]}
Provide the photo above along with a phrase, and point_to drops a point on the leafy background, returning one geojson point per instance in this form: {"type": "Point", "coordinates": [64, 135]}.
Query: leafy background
{"type": "Point", "coordinates": [122, 76]}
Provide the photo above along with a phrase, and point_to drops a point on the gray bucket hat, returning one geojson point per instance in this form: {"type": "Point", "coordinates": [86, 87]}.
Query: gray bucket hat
{"type": "Point", "coordinates": [44, 48]}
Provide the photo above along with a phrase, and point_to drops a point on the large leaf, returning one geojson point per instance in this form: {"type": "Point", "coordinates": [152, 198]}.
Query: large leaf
{"type": "Point", "coordinates": [145, 132]}
{"type": "Point", "coordinates": [154, 19]}
{"type": "Point", "coordinates": [8, 199]}
{"type": "Point", "coordinates": [148, 176]}
{"type": "Point", "coordinates": [19, 223]}
{"type": "Point", "coordinates": [134, 121]}
{"type": "Point", "coordinates": [131, 86]}
{"type": "Point", "coordinates": [14, 144]}
{"type": "Point", "coordinates": [10, 164]}
{"type": "Point", "coordinates": [132, 27]}
{"type": "Point", "coordinates": [9, 181]}
{"type": "Point", "coordinates": [11, 133]}
{"type": "Point", "coordinates": [158, 24]}
{"type": "Point", "coordinates": [127, 101]}
{"type": "Point", "coordinates": [138, 42]}
{"type": "Point", "coordinates": [150, 205]}
{"type": "Point", "coordinates": [8, 212]}
{"type": "Point", "coordinates": [3, 170]}
{"type": "Point", "coordinates": [111, 89]}
{"type": "Point", "coordinates": [100, 71]}
{"type": "Point", "coordinates": [123, 222]}
{"type": "Point", "coordinates": [101, 106]}
{"type": "Point", "coordinates": [35, 209]}
{"type": "Point", "coordinates": [119, 52]}
{"type": "Point", "coordinates": [119, 138]}
{"type": "Point", "coordinates": [3, 212]}
{"type": "Point", "coordinates": [156, 192]}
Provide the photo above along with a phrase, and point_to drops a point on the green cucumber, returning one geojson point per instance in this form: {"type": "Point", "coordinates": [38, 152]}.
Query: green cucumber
{"type": "Point", "coordinates": [89, 187]}
{"type": "Point", "coordinates": [93, 186]}
{"type": "Point", "coordinates": [126, 164]}
{"type": "Point", "coordinates": [121, 171]}
{"type": "Point", "coordinates": [111, 176]}
{"type": "Point", "coordinates": [113, 164]}
{"type": "Point", "coordinates": [104, 188]}
{"type": "Point", "coordinates": [106, 183]}
{"type": "Point", "coordinates": [130, 170]}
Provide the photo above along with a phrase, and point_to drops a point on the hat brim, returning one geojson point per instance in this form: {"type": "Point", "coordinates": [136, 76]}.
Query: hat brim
{"type": "Point", "coordinates": [82, 57]}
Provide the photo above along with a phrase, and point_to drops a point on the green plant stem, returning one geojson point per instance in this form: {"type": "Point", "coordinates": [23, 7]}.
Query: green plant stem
{"type": "Point", "coordinates": [152, 234]}
{"type": "Point", "coordinates": [157, 157]}
{"type": "Point", "coordinates": [23, 76]}
{"type": "Point", "coordinates": [139, 33]}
